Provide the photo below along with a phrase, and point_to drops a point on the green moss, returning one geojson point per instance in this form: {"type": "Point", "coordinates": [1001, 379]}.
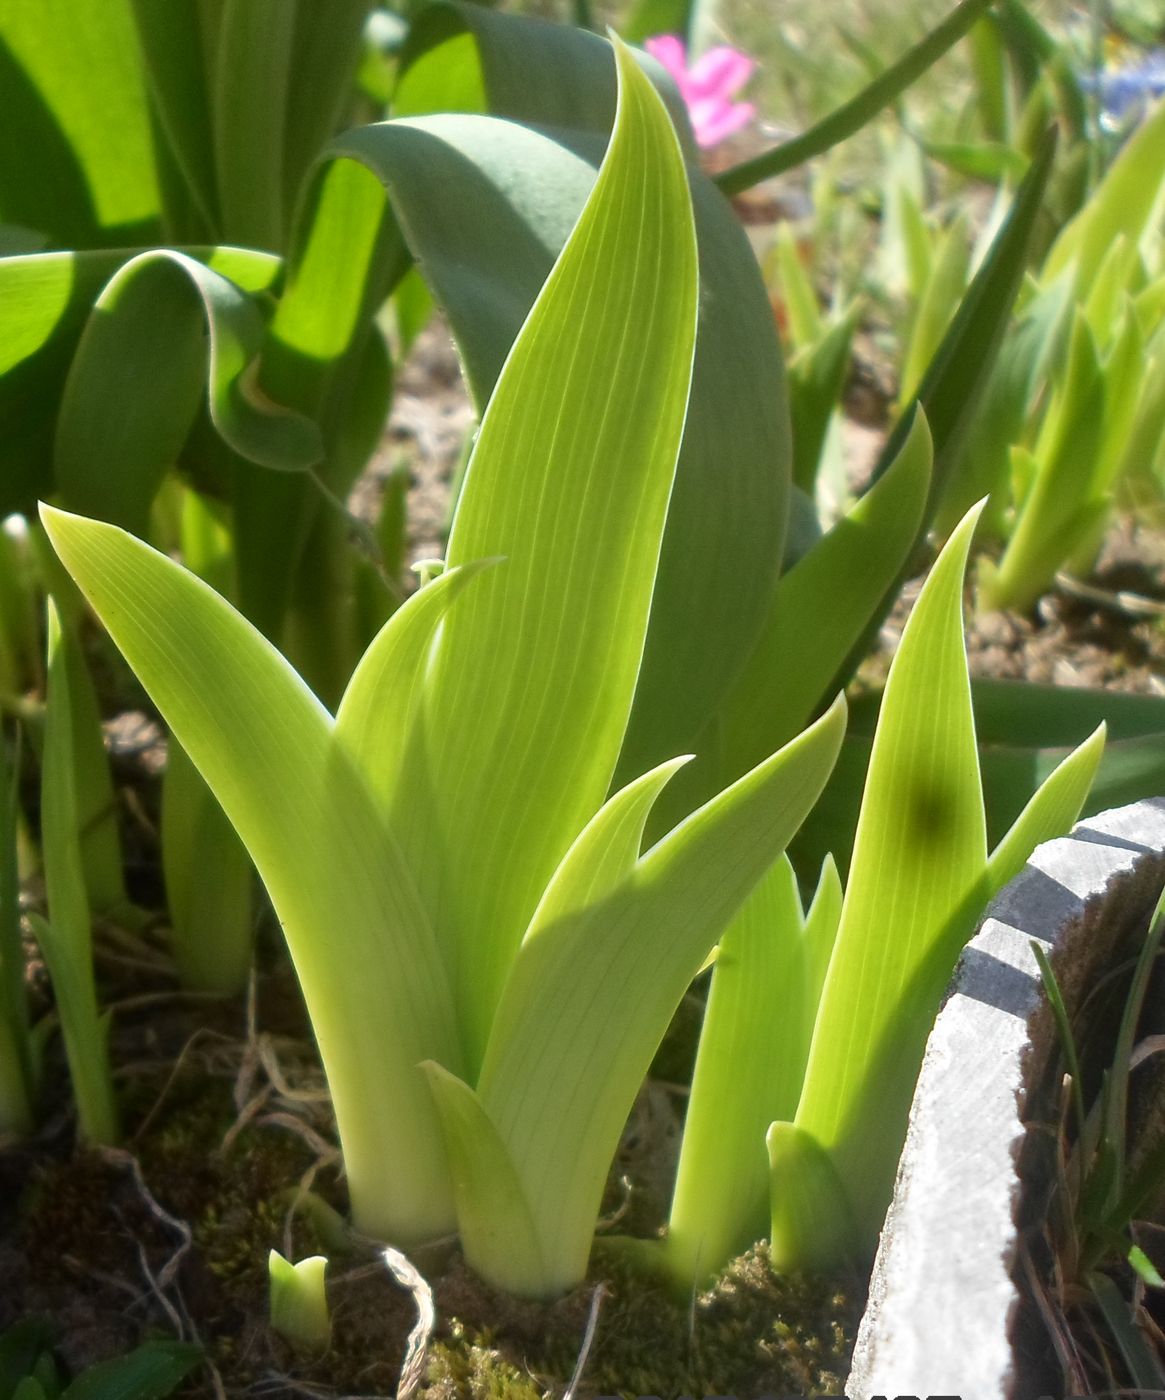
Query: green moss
{"type": "Point", "coordinates": [465, 1366]}
{"type": "Point", "coordinates": [751, 1334]}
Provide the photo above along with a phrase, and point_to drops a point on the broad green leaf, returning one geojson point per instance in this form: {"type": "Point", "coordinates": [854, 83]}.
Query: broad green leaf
{"type": "Point", "coordinates": [1025, 731]}
{"type": "Point", "coordinates": [164, 324]}
{"type": "Point", "coordinates": [378, 1000]}
{"type": "Point", "coordinates": [821, 606]}
{"type": "Point", "coordinates": [298, 1300]}
{"type": "Point", "coordinates": [811, 1217]}
{"type": "Point", "coordinates": [495, 1228]}
{"type": "Point", "coordinates": [154, 1370]}
{"type": "Point", "coordinates": [325, 54]}
{"type": "Point", "coordinates": [592, 990]}
{"type": "Point", "coordinates": [345, 261]}
{"type": "Point", "coordinates": [249, 105]}
{"type": "Point", "coordinates": [66, 938]}
{"type": "Point", "coordinates": [378, 715]}
{"type": "Point", "coordinates": [859, 110]}
{"type": "Point", "coordinates": [531, 71]}
{"type": "Point", "coordinates": [1051, 811]}
{"type": "Point", "coordinates": [76, 157]}
{"type": "Point", "coordinates": [916, 883]}
{"type": "Point", "coordinates": [728, 512]}
{"type": "Point", "coordinates": [1129, 201]}
{"type": "Point", "coordinates": [170, 36]}
{"type": "Point", "coordinates": [45, 302]}
{"type": "Point", "coordinates": [606, 852]}
{"type": "Point", "coordinates": [102, 862]}
{"type": "Point", "coordinates": [528, 694]}
{"type": "Point", "coordinates": [748, 1073]}
{"type": "Point", "coordinates": [211, 921]}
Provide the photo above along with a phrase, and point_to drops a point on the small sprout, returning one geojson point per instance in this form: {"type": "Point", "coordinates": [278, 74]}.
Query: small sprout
{"type": "Point", "coordinates": [427, 570]}
{"type": "Point", "coordinates": [299, 1302]}
{"type": "Point", "coordinates": [1145, 1269]}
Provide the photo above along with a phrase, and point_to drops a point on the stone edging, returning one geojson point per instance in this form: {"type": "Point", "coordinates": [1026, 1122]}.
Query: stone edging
{"type": "Point", "coordinates": [943, 1307]}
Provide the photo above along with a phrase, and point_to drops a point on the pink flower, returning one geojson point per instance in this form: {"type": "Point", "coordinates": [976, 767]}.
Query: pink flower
{"type": "Point", "coordinates": [708, 87]}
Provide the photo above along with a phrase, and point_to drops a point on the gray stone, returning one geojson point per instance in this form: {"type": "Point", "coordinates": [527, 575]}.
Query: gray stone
{"type": "Point", "coordinates": [943, 1302]}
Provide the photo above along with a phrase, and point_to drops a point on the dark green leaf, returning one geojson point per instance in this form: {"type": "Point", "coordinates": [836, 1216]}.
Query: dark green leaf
{"type": "Point", "coordinates": [860, 109]}
{"type": "Point", "coordinates": [154, 1370]}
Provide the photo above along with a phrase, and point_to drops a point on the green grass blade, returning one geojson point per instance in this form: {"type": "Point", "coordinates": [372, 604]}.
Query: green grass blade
{"type": "Point", "coordinates": [530, 689]}
{"type": "Point", "coordinates": [821, 606]}
{"type": "Point", "coordinates": [749, 1068]}
{"type": "Point", "coordinates": [365, 953]}
{"type": "Point", "coordinates": [915, 886]}
{"type": "Point", "coordinates": [66, 937]}
{"type": "Point", "coordinates": [1146, 1371]}
{"type": "Point", "coordinates": [859, 110]}
{"type": "Point", "coordinates": [16, 1060]}
{"type": "Point", "coordinates": [1064, 1030]}
{"type": "Point", "coordinates": [102, 863]}
{"type": "Point", "coordinates": [1116, 1126]}
{"type": "Point", "coordinates": [592, 991]}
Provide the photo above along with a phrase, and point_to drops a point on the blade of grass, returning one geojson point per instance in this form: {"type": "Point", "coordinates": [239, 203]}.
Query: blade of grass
{"type": "Point", "coordinates": [859, 110]}
{"type": "Point", "coordinates": [65, 938]}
